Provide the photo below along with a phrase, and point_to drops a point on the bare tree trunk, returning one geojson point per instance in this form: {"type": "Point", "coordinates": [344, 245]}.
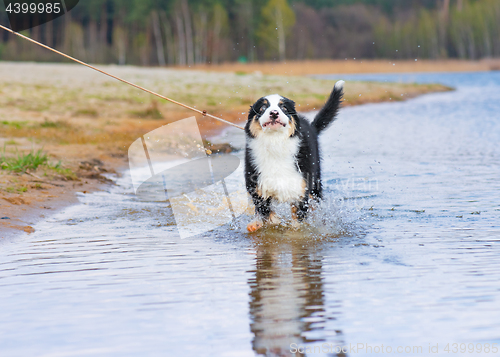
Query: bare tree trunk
{"type": "Point", "coordinates": [120, 41]}
{"type": "Point", "coordinates": [181, 41]}
{"type": "Point", "coordinates": [102, 46]}
{"type": "Point", "coordinates": [460, 5]}
{"type": "Point", "coordinates": [443, 26]}
{"type": "Point", "coordinates": [145, 49]}
{"type": "Point", "coordinates": [35, 31]}
{"type": "Point", "coordinates": [301, 45]}
{"type": "Point", "coordinates": [67, 35]}
{"type": "Point", "coordinates": [251, 39]}
{"type": "Point", "coordinates": [472, 44]}
{"type": "Point", "coordinates": [487, 44]}
{"type": "Point", "coordinates": [197, 38]}
{"type": "Point", "coordinates": [201, 38]}
{"type": "Point", "coordinates": [446, 9]}
{"type": "Point", "coordinates": [216, 37]}
{"type": "Point", "coordinates": [49, 34]}
{"type": "Point", "coordinates": [189, 32]}
{"type": "Point", "coordinates": [93, 40]}
{"type": "Point", "coordinates": [205, 41]}
{"type": "Point", "coordinates": [281, 34]}
{"type": "Point", "coordinates": [160, 51]}
{"type": "Point", "coordinates": [169, 38]}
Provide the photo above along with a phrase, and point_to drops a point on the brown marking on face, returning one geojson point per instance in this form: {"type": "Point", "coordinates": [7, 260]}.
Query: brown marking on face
{"type": "Point", "coordinates": [255, 128]}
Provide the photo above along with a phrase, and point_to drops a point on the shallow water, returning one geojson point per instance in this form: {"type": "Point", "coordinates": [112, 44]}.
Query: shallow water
{"type": "Point", "coordinates": [404, 252]}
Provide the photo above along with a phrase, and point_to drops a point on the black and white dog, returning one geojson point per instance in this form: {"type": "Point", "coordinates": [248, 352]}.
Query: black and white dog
{"type": "Point", "coordinates": [282, 160]}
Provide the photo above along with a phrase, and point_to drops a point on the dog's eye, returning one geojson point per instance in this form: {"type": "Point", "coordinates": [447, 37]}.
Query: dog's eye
{"type": "Point", "coordinates": [284, 109]}
{"type": "Point", "coordinates": [262, 109]}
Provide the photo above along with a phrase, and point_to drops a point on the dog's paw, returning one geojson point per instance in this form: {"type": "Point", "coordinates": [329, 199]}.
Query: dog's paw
{"type": "Point", "coordinates": [254, 225]}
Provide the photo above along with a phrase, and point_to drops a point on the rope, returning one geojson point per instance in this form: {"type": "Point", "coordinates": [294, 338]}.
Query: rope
{"type": "Point", "coordinates": [202, 112]}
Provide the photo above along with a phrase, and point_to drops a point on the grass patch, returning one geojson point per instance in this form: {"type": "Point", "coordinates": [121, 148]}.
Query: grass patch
{"type": "Point", "coordinates": [14, 124]}
{"type": "Point", "coordinates": [66, 173]}
{"type": "Point", "coordinates": [87, 113]}
{"type": "Point", "coordinates": [23, 162]}
{"type": "Point", "coordinates": [53, 124]}
{"type": "Point", "coordinates": [32, 161]}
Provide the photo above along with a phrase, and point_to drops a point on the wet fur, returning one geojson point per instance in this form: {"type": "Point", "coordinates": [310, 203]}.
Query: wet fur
{"type": "Point", "coordinates": [284, 164]}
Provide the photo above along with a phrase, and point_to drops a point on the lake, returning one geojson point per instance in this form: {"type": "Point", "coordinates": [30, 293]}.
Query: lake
{"type": "Point", "coordinates": [403, 254]}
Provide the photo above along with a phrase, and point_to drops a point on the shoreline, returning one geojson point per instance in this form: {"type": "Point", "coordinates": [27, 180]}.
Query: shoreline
{"type": "Point", "coordinates": [52, 195]}
{"type": "Point", "coordinates": [86, 121]}
{"type": "Point", "coordinates": [353, 66]}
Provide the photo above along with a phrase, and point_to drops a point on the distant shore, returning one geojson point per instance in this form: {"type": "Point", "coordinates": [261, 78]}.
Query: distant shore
{"type": "Point", "coordinates": [354, 66]}
{"type": "Point", "coordinates": [86, 121]}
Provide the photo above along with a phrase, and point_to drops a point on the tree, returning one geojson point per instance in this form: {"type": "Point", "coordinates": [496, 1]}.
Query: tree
{"type": "Point", "coordinates": [277, 20]}
{"type": "Point", "coordinates": [220, 23]}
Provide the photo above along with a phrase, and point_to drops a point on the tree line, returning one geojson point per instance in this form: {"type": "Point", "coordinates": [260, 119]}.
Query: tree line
{"type": "Point", "coordinates": [187, 32]}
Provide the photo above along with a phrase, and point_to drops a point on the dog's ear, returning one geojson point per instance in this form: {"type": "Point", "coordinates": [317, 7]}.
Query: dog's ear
{"type": "Point", "coordinates": [252, 112]}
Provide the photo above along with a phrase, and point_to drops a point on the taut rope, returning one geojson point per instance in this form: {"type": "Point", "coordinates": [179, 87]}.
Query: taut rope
{"type": "Point", "coordinates": [202, 112]}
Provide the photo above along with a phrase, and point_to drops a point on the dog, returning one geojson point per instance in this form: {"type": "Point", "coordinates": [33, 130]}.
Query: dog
{"type": "Point", "coordinates": [282, 158]}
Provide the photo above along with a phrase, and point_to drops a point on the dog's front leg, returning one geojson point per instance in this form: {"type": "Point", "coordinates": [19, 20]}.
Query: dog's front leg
{"type": "Point", "coordinates": [295, 219]}
{"type": "Point", "coordinates": [262, 212]}
{"type": "Point", "coordinates": [299, 212]}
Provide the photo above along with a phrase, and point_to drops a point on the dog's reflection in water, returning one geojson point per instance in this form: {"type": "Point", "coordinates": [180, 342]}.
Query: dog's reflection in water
{"type": "Point", "coordinates": [287, 307]}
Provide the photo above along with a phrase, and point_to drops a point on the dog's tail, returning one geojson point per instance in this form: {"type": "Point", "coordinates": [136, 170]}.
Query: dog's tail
{"type": "Point", "coordinates": [328, 113]}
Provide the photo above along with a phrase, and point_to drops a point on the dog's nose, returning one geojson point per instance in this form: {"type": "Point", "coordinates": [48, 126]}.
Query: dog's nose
{"type": "Point", "coordinates": [274, 114]}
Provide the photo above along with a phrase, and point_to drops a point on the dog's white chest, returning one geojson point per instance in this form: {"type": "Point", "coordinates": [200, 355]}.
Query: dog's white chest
{"type": "Point", "coordinates": [274, 157]}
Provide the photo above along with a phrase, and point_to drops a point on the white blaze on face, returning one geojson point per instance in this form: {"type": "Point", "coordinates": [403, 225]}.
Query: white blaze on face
{"type": "Point", "coordinates": [268, 120]}
{"type": "Point", "coordinates": [274, 155]}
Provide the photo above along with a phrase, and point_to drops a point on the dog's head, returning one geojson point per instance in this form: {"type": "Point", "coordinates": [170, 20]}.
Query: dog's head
{"type": "Point", "coordinates": [272, 114]}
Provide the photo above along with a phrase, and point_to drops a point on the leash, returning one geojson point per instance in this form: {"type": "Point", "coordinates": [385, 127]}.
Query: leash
{"type": "Point", "coordinates": [202, 112]}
